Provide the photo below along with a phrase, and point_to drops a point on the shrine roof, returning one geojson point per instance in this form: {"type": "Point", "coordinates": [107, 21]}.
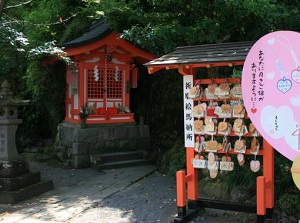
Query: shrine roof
{"type": "Point", "coordinates": [96, 32]}
{"type": "Point", "coordinates": [204, 54]}
{"type": "Point", "coordinates": [101, 35]}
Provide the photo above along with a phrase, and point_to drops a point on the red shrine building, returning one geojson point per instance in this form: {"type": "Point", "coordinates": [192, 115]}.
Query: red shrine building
{"type": "Point", "coordinates": [103, 79]}
{"type": "Point", "coordinates": [104, 69]}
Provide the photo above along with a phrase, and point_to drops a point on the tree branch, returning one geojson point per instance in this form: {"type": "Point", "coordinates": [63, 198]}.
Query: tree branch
{"type": "Point", "coordinates": [15, 6]}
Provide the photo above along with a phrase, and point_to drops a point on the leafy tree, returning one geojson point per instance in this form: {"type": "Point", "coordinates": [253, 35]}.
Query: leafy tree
{"type": "Point", "coordinates": [30, 31]}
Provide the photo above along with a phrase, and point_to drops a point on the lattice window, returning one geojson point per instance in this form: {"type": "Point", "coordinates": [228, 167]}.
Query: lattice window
{"type": "Point", "coordinates": [95, 89]}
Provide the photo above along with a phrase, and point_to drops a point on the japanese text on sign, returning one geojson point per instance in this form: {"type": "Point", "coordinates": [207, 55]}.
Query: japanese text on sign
{"type": "Point", "coordinates": [188, 111]}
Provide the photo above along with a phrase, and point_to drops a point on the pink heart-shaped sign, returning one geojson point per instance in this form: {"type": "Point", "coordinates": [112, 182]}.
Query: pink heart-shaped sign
{"type": "Point", "coordinates": [240, 157]}
{"type": "Point", "coordinates": [296, 75]}
{"type": "Point", "coordinates": [272, 101]}
{"type": "Point", "coordinates": [255, 165]}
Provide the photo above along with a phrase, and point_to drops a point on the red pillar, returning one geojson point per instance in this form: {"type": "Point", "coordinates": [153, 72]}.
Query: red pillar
{"type": "Point", "coordinates": [268, 170]}
{"type": "Point", "coordinates": [192, 173]}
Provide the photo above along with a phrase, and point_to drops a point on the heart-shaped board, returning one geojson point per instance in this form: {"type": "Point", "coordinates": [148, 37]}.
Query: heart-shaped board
{"type": "Point", "coordinates": [271, 90]}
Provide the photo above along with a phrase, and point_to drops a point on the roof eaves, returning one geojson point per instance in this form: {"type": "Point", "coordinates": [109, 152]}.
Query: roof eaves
{"type": "Point", "coordinates": [97, 32]}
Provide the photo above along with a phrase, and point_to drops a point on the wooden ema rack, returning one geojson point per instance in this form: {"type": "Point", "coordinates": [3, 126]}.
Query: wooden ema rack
{"type": "Point", "coordinates": [188, 201]}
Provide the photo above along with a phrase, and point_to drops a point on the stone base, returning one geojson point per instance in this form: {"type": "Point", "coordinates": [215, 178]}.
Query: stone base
{"type": "Point", "coordinates": [17, 183]}
{"type": "Point", "coordinates": [11, 197]}
{"type": "Point", "coordinates": [13, 168]}
{"type": "Point", "coordinates": [85, 147]}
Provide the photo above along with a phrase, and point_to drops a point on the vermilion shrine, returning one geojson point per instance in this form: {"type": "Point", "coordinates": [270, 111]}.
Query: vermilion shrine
{"type": "Point", "coordinates": [202, 124]}
{"type": "Point", "coordinates": [105, 69]}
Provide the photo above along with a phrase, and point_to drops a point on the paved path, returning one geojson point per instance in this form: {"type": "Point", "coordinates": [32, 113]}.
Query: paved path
{"type": "Point", "coordinates": [66, 203]}
{"type": "Point", "coordinates": [127, 195]}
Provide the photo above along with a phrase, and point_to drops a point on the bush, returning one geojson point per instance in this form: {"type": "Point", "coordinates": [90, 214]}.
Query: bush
{"type": "Point", "coordinates": [174, 160]}
{"type": "Point", "coordinates": [289, 204]}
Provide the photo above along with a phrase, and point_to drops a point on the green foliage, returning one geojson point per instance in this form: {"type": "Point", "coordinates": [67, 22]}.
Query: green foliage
{"type": "Point", "coordinates": [174, 159]}
{"type": "Point", "coordinates": [243, 176]}
{"type": "Point", "coordinates": [283, 177]}
{"type": "Point", "coordinates": [45, 89]}
{"type": "Point", "coordinates": [161, 105]}
{"type": "Point", "coordinates": [290, 204]}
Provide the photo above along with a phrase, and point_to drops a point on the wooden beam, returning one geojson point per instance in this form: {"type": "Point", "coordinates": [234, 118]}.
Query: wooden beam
{"type": "Point", "coordinates": [152, 70]}
{"type": "Point", "coordinates": [185, 69]}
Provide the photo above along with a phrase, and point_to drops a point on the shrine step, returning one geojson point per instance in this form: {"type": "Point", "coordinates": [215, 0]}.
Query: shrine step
{"type": "Point", "coordinates": [122, 156]}
{"type": "Point", "coordinates": [124, 163]}
{"type": "Point", "coordinates": [16, 183]}
{"type": "Point", "coordinates": [12, 197]}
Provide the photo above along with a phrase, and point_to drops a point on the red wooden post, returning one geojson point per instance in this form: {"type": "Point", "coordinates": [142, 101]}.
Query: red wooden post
{"type": "Point", "coordinates": [193, 175]}
{"type": "Point", "coordinates": [268, 169]}
{"type": "Point", "coordinates": [181, 188]}
{"type": "Point", "coordinates": [261, 195]}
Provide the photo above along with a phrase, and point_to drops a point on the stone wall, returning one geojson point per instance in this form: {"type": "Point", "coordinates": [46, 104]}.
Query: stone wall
{"type": "Point", "coordinates": [85, 146]}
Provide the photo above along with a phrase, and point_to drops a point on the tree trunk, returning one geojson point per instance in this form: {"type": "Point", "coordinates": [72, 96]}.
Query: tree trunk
{"type": "Point", "coordinates": [2, 3]}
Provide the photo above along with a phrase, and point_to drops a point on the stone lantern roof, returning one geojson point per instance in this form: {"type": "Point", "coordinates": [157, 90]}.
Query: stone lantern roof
{"type": "Point", "coordinates": [6, 97]}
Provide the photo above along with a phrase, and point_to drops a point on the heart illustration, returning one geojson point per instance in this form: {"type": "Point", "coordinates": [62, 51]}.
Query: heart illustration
{"type": "Point", "coordinates": [295, 100]}
{"type": "Point", "coordinates": [253, 110]}
{"type": "Point", "coordinates": [296, 76]}
{"type": "Point", "coordinates": [271, 75]}
{"type": "Point", "coordinates": [284, 85]}
{"type": "Point", "coordinates": [255, 165]}
{"type": "Point", "coordinates": [271, 41]}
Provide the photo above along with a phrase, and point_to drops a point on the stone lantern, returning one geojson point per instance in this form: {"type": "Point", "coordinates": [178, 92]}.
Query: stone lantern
{"type": "Point", "coordinates": [9, 123]}
{"type": "Point", "coordinates": [16, 181]}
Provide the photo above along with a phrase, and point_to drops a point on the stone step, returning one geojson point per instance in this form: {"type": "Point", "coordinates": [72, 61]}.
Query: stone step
{"type": "Point", "coordinates": [124, 163]}
{"type": "Point", "coordinates": [16, 183]}
{"type": "Point", "coordinates": [121, 156]}
{"type": "Point", "coordinates": [12, 197]}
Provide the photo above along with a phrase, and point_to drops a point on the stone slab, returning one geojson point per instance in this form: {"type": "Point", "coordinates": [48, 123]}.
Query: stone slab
{"type": "Point", "coordinates": [12, 197]}
{"type": "Point", "coordinates": [16, 183]}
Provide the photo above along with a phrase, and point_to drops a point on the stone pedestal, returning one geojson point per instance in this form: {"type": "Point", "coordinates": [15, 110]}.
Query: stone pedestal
{"type": "Point", "coordinates": [17, 183]}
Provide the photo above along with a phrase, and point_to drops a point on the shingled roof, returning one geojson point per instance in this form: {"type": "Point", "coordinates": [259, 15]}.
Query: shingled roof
{"type": "Point", "coordinates": [204, 54]}
{"type": "Point", "coordinates": [96, 32]}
